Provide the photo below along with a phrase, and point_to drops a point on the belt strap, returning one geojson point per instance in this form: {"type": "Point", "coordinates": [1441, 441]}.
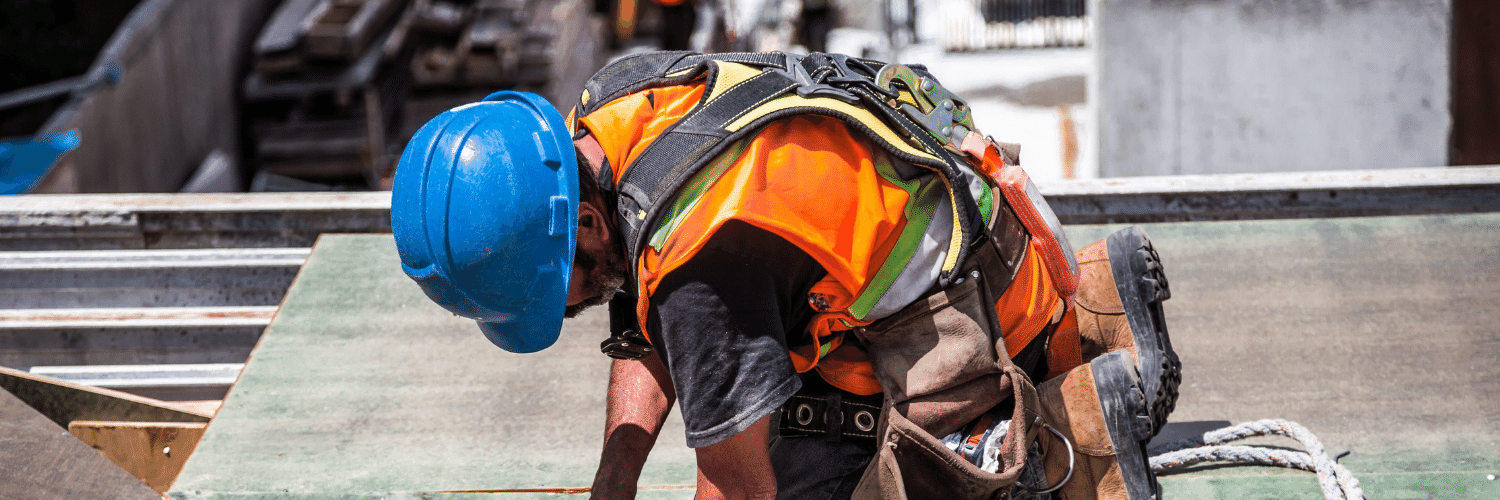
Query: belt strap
{"type": "Point", "coordinates": [835, 416]}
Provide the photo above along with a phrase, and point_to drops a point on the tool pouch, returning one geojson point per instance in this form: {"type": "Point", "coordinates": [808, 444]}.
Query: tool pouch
{"type": "Point", "coordinates": [942, 363]}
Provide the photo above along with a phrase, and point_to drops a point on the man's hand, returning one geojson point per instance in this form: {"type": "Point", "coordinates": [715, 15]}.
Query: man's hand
{"type": "Point", "coordinates": [640, 396]}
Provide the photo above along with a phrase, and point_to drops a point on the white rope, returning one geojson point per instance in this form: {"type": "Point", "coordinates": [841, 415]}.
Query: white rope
{"type": "Point", "coordinates": [1334, 479]}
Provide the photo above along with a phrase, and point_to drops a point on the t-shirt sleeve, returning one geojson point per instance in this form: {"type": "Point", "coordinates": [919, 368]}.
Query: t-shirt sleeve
{"type": "Point", "coordinates": [721, 322]}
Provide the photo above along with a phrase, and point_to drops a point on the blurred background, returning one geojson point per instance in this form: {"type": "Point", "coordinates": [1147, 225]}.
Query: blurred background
{"type": "Point", "coordinates": [1341, 298]}
{"type": "Point", "coordinates": [112, 96]}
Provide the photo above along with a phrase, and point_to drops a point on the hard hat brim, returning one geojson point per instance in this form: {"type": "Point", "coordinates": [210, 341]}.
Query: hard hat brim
{"type": "Point", "coordinates": [522, 337]}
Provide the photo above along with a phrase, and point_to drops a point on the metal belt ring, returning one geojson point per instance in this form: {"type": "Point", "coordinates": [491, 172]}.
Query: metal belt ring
{"type": "Point", "coordinates": [804, 414]}
{"type": "Point", "coordinates": [864, 421]}
{"type": "Point", "coordinates": [1065, 478]}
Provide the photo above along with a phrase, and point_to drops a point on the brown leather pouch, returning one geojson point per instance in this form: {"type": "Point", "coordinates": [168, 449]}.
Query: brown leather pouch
{"type": "Point", "coordinates": [942, 363]}
{"type": "Point", "coordinates": [910, 463]}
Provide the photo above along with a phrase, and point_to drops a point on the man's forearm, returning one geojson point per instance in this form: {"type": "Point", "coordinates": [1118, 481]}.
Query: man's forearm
{"type": "Point", "coordinates": [640, 396]}
{"type": "Point", "coordinates": [738, 468]}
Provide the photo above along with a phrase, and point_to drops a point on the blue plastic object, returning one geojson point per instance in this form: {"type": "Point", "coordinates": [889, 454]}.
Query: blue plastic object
{"type": "Point", "coordinates": [484, 209]}
{"type": "Point", "coordinates": [22, 162]}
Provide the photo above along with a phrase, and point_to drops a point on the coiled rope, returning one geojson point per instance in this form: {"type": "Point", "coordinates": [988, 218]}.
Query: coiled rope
{"type": "Point", "coordinates": [1334, 479]}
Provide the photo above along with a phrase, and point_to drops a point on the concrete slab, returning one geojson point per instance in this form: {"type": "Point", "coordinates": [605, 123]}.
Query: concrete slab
{"type": "Point", "coordinates": [1378, 334]}
{"type": "Point", "coordinates": [362, 387]}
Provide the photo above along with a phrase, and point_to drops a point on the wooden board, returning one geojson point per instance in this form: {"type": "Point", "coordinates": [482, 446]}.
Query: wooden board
{"type": "Point", "coordinates": [281, 34]}
{"type": "Point", "coordinates": [40, 460]}
{"type": "Point", "coordinates": [153, 452]}
{"type": "Point", "coordinates": [64, 402]}
{"type": "Point", "coordinates": [343, 29]}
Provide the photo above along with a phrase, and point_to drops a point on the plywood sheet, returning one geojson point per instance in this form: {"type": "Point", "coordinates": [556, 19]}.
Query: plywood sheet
{"type": "Point", "coordinates": [362, 387]}
{"type": "Point", "coordinates": [39, 459]}
{"type": "Point", "coordinates": [1378, 334]}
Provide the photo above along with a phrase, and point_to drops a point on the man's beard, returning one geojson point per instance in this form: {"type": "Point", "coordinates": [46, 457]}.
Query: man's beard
{"type": "Point", "coordinates": [600, 282]}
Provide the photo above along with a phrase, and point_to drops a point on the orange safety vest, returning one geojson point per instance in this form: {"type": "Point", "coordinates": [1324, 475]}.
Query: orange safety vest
{"type": "Point", "coordinates": [870, 220]}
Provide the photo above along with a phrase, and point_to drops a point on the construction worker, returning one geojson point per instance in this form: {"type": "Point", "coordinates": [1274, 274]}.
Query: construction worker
{"type": "Point", "coordinates": [819, 260]}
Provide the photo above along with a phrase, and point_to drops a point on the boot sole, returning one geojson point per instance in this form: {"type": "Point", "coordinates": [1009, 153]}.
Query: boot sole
{"type": "Point", "coordinates": [1142, 286]}
{"type": "Point", "coordinates": [1128, 422]}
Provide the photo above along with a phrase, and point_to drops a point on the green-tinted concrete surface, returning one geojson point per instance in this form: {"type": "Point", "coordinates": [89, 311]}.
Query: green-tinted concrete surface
{"type": "Point", "coordinates": [1381, 335]}
{"type": "Point", "coordinates": [361, 387]}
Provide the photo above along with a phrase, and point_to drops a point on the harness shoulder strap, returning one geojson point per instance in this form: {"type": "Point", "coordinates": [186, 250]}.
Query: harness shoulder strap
{"type": "Point", "coordinates": [638, 72]}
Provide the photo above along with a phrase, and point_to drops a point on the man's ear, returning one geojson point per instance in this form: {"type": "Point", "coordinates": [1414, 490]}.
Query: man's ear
{"type": "Point", "coordinates": [591, 222]}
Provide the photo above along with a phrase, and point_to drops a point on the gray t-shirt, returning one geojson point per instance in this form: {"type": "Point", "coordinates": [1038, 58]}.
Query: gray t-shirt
{"type": "Point", "coordinates": [722, 322]}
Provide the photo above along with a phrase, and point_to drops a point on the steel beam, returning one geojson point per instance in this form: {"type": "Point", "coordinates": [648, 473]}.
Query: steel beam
{"type": "Point", "coordinates": [174, 382]}
{"type": "Point", "coordinates": [142, 317]}
{"type": "Point", "coordinates": [118, 376]}
{"type": "Point", "coordinates": [1353, 193]}
{"type": "Point", "coordinates": [142, 278]}
{"type": "Point", "coordinates": [135, 221]}
{"type": "Point", "coordinates": [148, 335]}
{"type": "Point", "coordinates": [58, 222]}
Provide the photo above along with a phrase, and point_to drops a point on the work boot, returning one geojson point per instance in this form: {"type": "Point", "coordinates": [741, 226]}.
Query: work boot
{"type": "Point", "coordinates": [1120, 291]}
{"type": "Point", "coordinates": [1101, 412]}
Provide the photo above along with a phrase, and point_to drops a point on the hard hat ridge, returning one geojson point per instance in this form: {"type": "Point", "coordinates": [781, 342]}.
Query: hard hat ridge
{"type": "Point", "coordinates": [484, 210]}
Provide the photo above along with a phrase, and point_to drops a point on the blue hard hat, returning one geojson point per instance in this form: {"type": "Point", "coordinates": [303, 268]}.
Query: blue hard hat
{"type": "Point", "coordinates": [484, 210]}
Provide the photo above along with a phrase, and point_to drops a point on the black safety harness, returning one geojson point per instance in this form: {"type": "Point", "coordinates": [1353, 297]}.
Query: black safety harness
{"type": "Point", "coordinates": [900, 108]}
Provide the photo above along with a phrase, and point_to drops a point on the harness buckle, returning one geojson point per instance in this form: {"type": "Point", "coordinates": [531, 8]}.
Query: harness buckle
{"type": "Point", "coordinates": [810, 85]}
{"type": "Point", "coordinates": [857, 73]}
{"type": "Point", "coordinates": [832, 76]}
{"type": "Point", "coordinates": [833, 416]}
{"type": "Point", "coordinates": [628, 345]}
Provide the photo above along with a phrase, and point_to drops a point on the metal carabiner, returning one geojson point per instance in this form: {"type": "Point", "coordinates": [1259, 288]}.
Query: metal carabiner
{"type": "Point", "coordinates": [945, 117]}
{"type": "Point", "coordinates": [1066, 477]}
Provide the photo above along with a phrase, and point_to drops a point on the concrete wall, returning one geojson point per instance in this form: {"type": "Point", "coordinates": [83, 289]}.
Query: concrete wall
{"type": "Point", "coordinates": [1229, 86]}
{"type": "Point", "coordinates": [179, 64]}
{"type": "Point", "coordinates": [579, 50]}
